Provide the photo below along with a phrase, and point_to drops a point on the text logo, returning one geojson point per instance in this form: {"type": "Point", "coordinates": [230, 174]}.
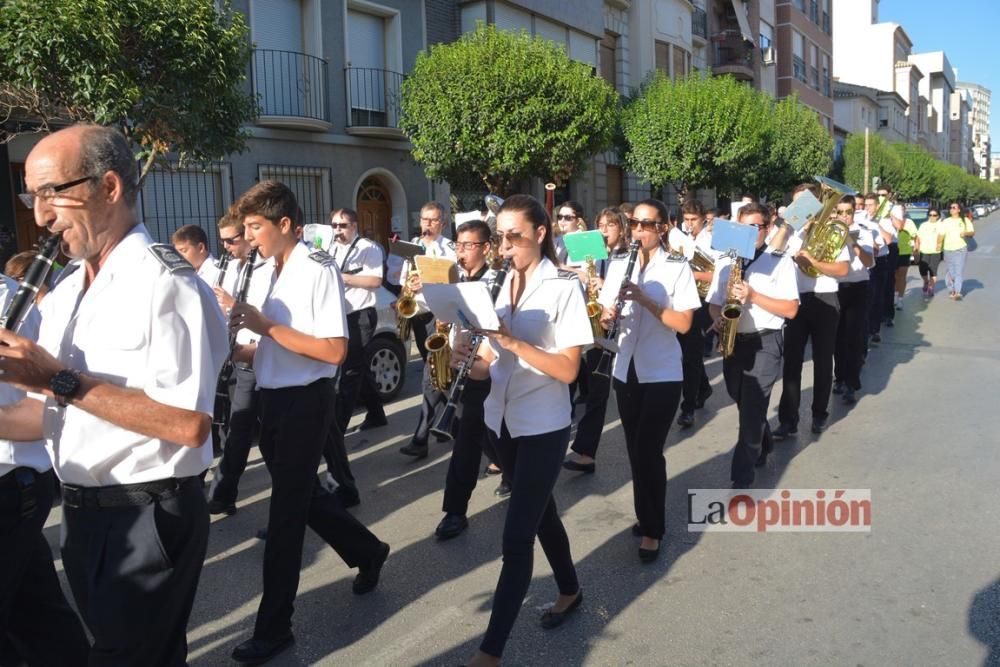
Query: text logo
{"type": "Point", "coordinates": [780, 510]}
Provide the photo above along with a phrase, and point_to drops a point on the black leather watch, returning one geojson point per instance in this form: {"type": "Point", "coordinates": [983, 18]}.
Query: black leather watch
{"type": "Point", "coordinates": [65, 385]}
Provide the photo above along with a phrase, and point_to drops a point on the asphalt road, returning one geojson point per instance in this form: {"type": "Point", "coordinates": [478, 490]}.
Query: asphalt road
{"type": "Point", "coordinates": [921, 588]}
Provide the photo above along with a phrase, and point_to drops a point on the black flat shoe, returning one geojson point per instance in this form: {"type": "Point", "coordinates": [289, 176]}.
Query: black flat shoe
{"type": "Point", "coordinates": [819, 425]}
{"type": "Point", "coordinates": [258, 651]}
{"type": "Point", "coordinates": [686, 420]}
{"type": "Point", "coordinates": [348, 497]}
{"type": "Point", "coordinates": [452, 525]}
{"type": "Point", "coordinates": [502, 490]}
{"type": "Point", "coordinates": [649, 555]}
{"type": "Point", "coordinates": [491, 470]}
{"type": "Point", "coordinates": [702, 399]}
{"type": "Point", "coordinates": [367, 578]}
{"type": "Point", "coordinates": [414, 449]}
{"type": "Point", "coordinates": [553, 619]}
{"type": "Point", "coordinates": [761, 460]}
{"type": "Point", "coordinates": [576, 466]}
{"type": "Point", "coordinates": [369, 424]}
{"type": "Point", "coordinates": [784, 431]}
{"type": "Point", "coordinates": [219, 507]}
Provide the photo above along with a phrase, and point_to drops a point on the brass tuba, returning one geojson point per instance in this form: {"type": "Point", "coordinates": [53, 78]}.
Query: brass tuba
{"type": "Point", "coordinates": [732, 309]}
{"type": "Point", "coordinates": [439, 357]}
{"type": "Point", "coordinates": [702, 262]}
{"type": "Point", "coordinates": [826, 235]}
{"type": "Point", "coordinates": [406, 306]}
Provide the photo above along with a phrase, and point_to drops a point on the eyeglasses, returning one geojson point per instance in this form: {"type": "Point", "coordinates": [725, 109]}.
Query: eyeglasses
{"type": "Point", "coordinates": [649, 225]}
{"type": "Point", "coordinates": [514, 238]}
{"type": "Point", "coordinates": [605, 225]}
{"type": "Point", "coordinates": [430, 221]}
{"type": "Point", "coordinates": [933, 215]}
{"type": "Point", "coordinates": [49, 191]}
{"type": "Point", "coordinates": [565, 216]}
{"type": "Point", "coordinates": [463, 245]}
{"type": "Point", "coordinates": [232, 240]}
{"type": "Point", "coordinates": [340, 225]}
{"type": "Point", "coordinates": [845, 211]}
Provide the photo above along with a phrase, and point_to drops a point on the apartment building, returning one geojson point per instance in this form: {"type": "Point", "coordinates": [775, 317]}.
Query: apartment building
{"type": "Point", "coordinates": [980, 119]}
{"type": "Point", "coordinates": [805, 54]}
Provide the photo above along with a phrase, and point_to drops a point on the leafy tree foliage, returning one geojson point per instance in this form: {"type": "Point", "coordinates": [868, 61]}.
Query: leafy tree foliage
{"type": "Point", "coordinates": [884, 162]}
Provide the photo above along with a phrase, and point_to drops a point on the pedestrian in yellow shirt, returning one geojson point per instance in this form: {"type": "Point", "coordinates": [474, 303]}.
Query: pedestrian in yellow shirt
{"type": "Point", "coordinates": [956, 230]}
{"type": "Point", "coordinates": [928, 245]}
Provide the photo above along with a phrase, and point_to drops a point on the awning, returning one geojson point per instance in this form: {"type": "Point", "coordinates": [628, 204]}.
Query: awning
{"type": "Point", "coordinates": [741, 17]}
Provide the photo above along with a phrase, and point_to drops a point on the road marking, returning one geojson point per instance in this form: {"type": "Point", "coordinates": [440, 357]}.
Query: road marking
{"type": "Point", "coordinates": [394, 653]}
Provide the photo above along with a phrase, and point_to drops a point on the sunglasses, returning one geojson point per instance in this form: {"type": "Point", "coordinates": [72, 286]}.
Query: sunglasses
{"type": "Point", "coordinates": [340, 225]}
{"type": "Point", "coordinates": [514, 238]}
{"type": "Point", "coordinates": [845, 211]}
{"type": "Point", "coordinates": [648, 225]}
{"type": "Point", "coordinates": [232, 240]}
{"type": "Point", "coordinates": [932, 215]}
{"type": "Point", "coordinates": [565, 216]}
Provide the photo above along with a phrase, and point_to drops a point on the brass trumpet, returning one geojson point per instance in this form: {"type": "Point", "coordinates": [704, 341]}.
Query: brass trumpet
{"type": "Point", "coordinates": [439, 357]}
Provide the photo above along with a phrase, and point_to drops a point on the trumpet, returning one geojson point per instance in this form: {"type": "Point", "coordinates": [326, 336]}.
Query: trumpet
{"type": "Point", "coordinates": [439, 357]}
{"type": "Point", "coordinates": [406, 306]}
{"type": "Point", "coordinates": [732, 309]}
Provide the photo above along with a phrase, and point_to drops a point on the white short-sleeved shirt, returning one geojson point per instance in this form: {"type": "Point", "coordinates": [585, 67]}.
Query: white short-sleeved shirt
{"type": "Point", "coordinates": [874, 227]}
{"type": "Point", "coordinates": [772, 275]}
{"type": "Point", "coordinates": [18, 454]}
{"type": "Point", "coordinates": [823, 284]}
{"type": "Point", "coordinates": [209, 270]}
{"type": "Point", "coordinates": [439, 247]}
{"type": "Point", "coordinates": [260, 284]}
{"type": "Point", "coordinates": [858, 272]}
{"type": "Point", "coordinates": [360, 258]}
{"type": "Point", "coordinates": [654, 347]}
{"type": "Point", "coordinates": [146, 322]}
{"type": "Point", "coordinates": [307, 296]}
{"type": "Point", "coordinates": [551, 315]}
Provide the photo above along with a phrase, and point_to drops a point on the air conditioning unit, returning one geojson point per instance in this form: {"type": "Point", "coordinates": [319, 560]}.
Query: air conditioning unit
{"type": "Point", "coordinates": [768, 56]}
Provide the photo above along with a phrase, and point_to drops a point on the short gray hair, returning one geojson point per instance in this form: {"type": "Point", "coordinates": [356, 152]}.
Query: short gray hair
{"type": "Point", "coordinates": [104, 149]}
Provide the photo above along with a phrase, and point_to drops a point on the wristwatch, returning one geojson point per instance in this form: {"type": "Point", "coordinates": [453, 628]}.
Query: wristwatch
{"type": "Point", "coordinates": [65, 385]}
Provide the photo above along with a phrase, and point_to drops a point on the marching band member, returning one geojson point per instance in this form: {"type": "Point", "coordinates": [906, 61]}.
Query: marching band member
{"type": "Point", "coordinates": [191, 242]}
{"type": "Point", "coordinates": [121, 387]}
{"type": "Point", "coordinates": [435, 244]}
{"type": "Point", "coordinates": [530, 361]}
{"type": "Point", "coordinates": [303, 336]}
{"type": "Point", "coordinates": [661, 299]}
{"type": "Point", "coordinates": [816, 322]}
{"type": "Point", "coordinates": [852, 296]}
{"type": "Point", "coordinates": [879, 273]}
{"type": "Point", "coordinates": [613, 224]}
{"type": "Point", "coordinates": [569, 219]}
{"type": "Point", "coordinates": [769, 296]}
{"type": "Point", "coordinates": [244, 398]}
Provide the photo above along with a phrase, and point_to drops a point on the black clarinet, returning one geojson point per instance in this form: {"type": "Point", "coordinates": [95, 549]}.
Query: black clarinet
{"type": "Point", "coordinates": [604, 363]}
{"type": "Point", "coordinates": [222, 266]}
{"type": "Point", "coordinates": [442, 428]}
{"type": "Point", "coordinates": [221, 411]}
{"type": "Point", "coordinates": [34, 279]}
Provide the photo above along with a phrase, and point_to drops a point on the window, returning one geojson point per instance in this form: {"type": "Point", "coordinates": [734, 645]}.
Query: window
{"type": "Point", "coordinates": [671, 59]}
{"type": "Point", "coordinates": [609, 50]}
{"type": "Point", "coordinates": [173, 197]}
{"type": "Point", "coordinates": [883, 117]}
{"type": "Point", "coordinates": [680, 62]}
{"type": "Point", "coordinates": [661, 51]}
{"type": "Point", "coordinates": [766, 35]}
{"type": "Point", "coordinates": [311, 186]}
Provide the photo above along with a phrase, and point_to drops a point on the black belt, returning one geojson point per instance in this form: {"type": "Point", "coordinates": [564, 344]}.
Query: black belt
{"type": "Point", "coordinates": [756, 335]}
{"type": "Point", "coordinates": [122, 495]}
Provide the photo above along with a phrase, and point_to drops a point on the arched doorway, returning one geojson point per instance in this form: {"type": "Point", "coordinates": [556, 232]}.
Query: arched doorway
{"type": "Point", "coordinates": [374, 211]}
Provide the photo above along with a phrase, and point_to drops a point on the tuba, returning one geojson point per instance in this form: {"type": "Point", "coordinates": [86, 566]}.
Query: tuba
{"type": "Point", "coordinates": [732, 309]}
{"type": "Point", "coordinates": [406, 306]}
{"type": "Point", "coordinates": [826, 235]}
{"type": "Point", "coordinates": [702, 262]}
{"type": "Point", "coordinates": [439, 357]}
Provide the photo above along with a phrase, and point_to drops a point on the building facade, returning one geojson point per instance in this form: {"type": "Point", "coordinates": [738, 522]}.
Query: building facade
{"type": "Point", "coordinates": [805, 54]}
{"type": "Point", "coordinates": [980, 119]}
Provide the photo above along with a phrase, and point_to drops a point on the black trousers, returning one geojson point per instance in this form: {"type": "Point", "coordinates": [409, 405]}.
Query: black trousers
{"type": "Point", "coordinates": [647, 411]}
{"type": "Point", "coordinates": [816, 321]}
{"type": "Point", "coordinates": [693, 349]}
{"type": "Point", "coordinates": [851, 333]}
{"type": "Point", "coordinates": [889, 295]}
{"type": "Point", "coordinates": [591, 425]}
{"type": "Point", "coordinates": [294, 426]}
{"type": "Point", "coordinates": [134, 572]}
{"type": "Point", "coordinates": [36, 622]}
{"type": "Point", "coordinates": [534, 463]}
{"type": "Point", "coordinates": [878, 276]}
{"type": "Point", "coordinates": [750, 373]}
{"type": "Point", "coordinates": [470, 443]}
{"type": "Point", "coordinates": [244, 422]}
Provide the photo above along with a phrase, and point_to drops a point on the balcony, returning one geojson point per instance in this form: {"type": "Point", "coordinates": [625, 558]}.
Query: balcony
{"type": "Point", "coordinates": [799, 69]}
{"type": "Point", "coordinates": [699, 24]}
{"type": "Point", "coordinates": [291, 89]}
{"type": "Point", "coordinates": [373, 102]}
{"type": "Point", "coordinates": [815, 77]}
{"type": "Point", "coordinates": [732, 55]}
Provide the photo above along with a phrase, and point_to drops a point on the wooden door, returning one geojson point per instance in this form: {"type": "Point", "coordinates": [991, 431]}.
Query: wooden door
{"type": "Point", "coordinates": [374, 212]}
{"type": "Point", "coordinates": [24, 217]}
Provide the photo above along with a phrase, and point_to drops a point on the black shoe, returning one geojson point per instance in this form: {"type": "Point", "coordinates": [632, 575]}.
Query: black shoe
{"type": "Point", "coordinates": [503, 490]}
{"type": "Point", "coordinates": [784, 431]}
{"type": "Point", "coordinates": [367, 578]}
{"type": "Point", "coordinates": [702, 399]}
{"type": "Point", "coordinates": [761, 460]}
{"type": "Point", "coordinates": [819, 425]}
{"type": "Point", "coordinates": [686, 420]}
{"type": "Point", "coordinates": [649, 555]}
{"type": "Point", "coordinates": [261, 534]}
{"type": "Point", "coordinates": [219, 507]}
{"type": "Point", "coordinates": [370, 423]}
{"type": "Point", "coordinates": [889, 323]}
{"type": "Point", "coordinates": [636, 530]}
{"type": "Point", "coordinates": [490, 470]}
{"type": "Point", "coordinates": [838, 387]}
{"type": "Point", "coordinates": [452, 525]}
{"type": "Point", "coordinates": [876, 338]}
{"type": "Point", "coordinates": [849, 397]}
{"type": "Point", "coordinates": [577, 466]}
{"type": "Point", "coordinates": [741, 485]}
{"type": "Point", "coordinates": [258, 651]}
{"type": "Point", "coordinates": [414, 449]}
{"type": "Point", "coordinates": [348, 496]}
{"type": "Point", "coordinates": [553, 619]}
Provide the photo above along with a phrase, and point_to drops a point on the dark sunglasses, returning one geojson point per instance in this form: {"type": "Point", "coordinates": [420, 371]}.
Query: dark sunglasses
{"type": "Point", "coordinates": [232, 240]}
{"type": "Point", "coordinates": [648, 225]}
{"type": "Point", "coordinates": [565, 216]}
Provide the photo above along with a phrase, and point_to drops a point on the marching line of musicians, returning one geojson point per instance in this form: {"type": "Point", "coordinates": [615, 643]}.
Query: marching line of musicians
{"type": "Point", "coordinates": [144, 358]}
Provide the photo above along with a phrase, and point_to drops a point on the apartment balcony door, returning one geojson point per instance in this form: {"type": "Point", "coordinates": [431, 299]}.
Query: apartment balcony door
{"type": "Point", "coordinates": [24, 218]}
{"type": "Point", "coordinates": [374, 211]}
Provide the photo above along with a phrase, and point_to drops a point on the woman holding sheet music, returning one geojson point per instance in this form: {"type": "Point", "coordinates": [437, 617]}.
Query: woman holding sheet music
{"type": "Point", "coordinates": [660, 300]}
{"type": "Point", "coordinates": [530, 360]}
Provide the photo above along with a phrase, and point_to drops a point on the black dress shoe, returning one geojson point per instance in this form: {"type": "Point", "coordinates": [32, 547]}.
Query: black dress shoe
{"type": "Point", "coordinates": [349, 497]}
{"type": "Point", "coordinates": [702, 399]}
{"type": "Point", "coordinates": [553, 619]}
{"type": "Point", "coordinates": [649, 555]}
{"type": "Point", "coordinates": [741, 485]}
{"type": "Point", "coordinates": [258, 651]}
{"type": "Point", "coordinates": [818, 425]}
{"type": "Point", "coordinates": [219, 507]}
{"type": "Point", "coordinates": [452, 525]}
{"type": "Point", "coordinates": [838, 387]}
{"type": "Point", "coordinates": [849, 397]}
{"type": "Point", "coordinates": [491, 470]}
{"type": "Point", "coordinates": [503, 490]}
{"type": "Point", "coordinates": [761, 460]}
{"type": "Point", "coordinates": [577, 466]}
{"type": "Point", "coordinates": [686, 420]}
{"type": "Point", "coordinates": [784, 431]}
{"type": "Point", "coordinates": [370, 423]}
{"type": "Point", "coordinates": [367, 578]}
{"type": "Point", "coordinates": [414, 449]}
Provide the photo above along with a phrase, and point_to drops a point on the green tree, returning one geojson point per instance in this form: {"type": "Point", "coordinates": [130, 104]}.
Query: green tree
{"type": "Point", "coordinates": [506, 107]}
{"type": "Point", "coordinates": [884, 162]}
{"type": "Point", "coordinates": [696, 132]}
{"type": "Point", "coordinates": [917, 171]}
{"type": "Point", "coordinates": [170, 73]}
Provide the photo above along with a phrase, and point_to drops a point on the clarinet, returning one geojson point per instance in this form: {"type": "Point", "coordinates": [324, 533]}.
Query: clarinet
{"type": "Point", "coordinates": [222, 266]}
{"type": "Point", "coordinates": [604, 363]}
{"type": "Point", "coordinates": [34, 279]}
{"type": "Point", "coordinates": [442, 428]}
{"type": "Point", "coordinates": [221, 411]}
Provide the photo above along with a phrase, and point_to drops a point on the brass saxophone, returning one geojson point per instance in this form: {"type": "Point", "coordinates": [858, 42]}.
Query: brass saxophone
{"type": "Point", "coordinates": [594, 309]}
{"type": "Point", "coordinates": [439, 357]}
{"type": "Point", "coordinates": [732, 309]}
{"type": "Point", "coordinates": [406, 306]}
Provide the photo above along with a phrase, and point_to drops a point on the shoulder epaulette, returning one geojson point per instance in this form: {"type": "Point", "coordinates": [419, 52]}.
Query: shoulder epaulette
{"type": "Point", "coordinates": [168, 256]}
{"type": "Point", "coordinates": [322, 257]}
{"type": "Point", "coordinates": [676, 257]}
{"type": "Point", "coordinates": [567, 274]}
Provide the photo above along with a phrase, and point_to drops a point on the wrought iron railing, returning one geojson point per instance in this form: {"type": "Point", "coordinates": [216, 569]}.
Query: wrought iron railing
{"type": "Point", "coordinates": [372, 97]}
{"type": "Point", "coordinates": [699, 22]}
{"type": "Point", "coordinates": [290, 84]}
{"type": "Point", "coordinates": [799, 69]}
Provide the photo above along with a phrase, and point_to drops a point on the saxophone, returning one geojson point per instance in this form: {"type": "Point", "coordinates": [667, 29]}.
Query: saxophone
{"type": "Point", "coordinates": [702, 262]}
{"type": "Point", "coordinates": [594, 308]}
{"type": "Point", "coordinates": [406, 306]}
{"type": "Point", "coordinates": [732, 309]}
{"type": "Point", "coordinates": [439, 357]}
